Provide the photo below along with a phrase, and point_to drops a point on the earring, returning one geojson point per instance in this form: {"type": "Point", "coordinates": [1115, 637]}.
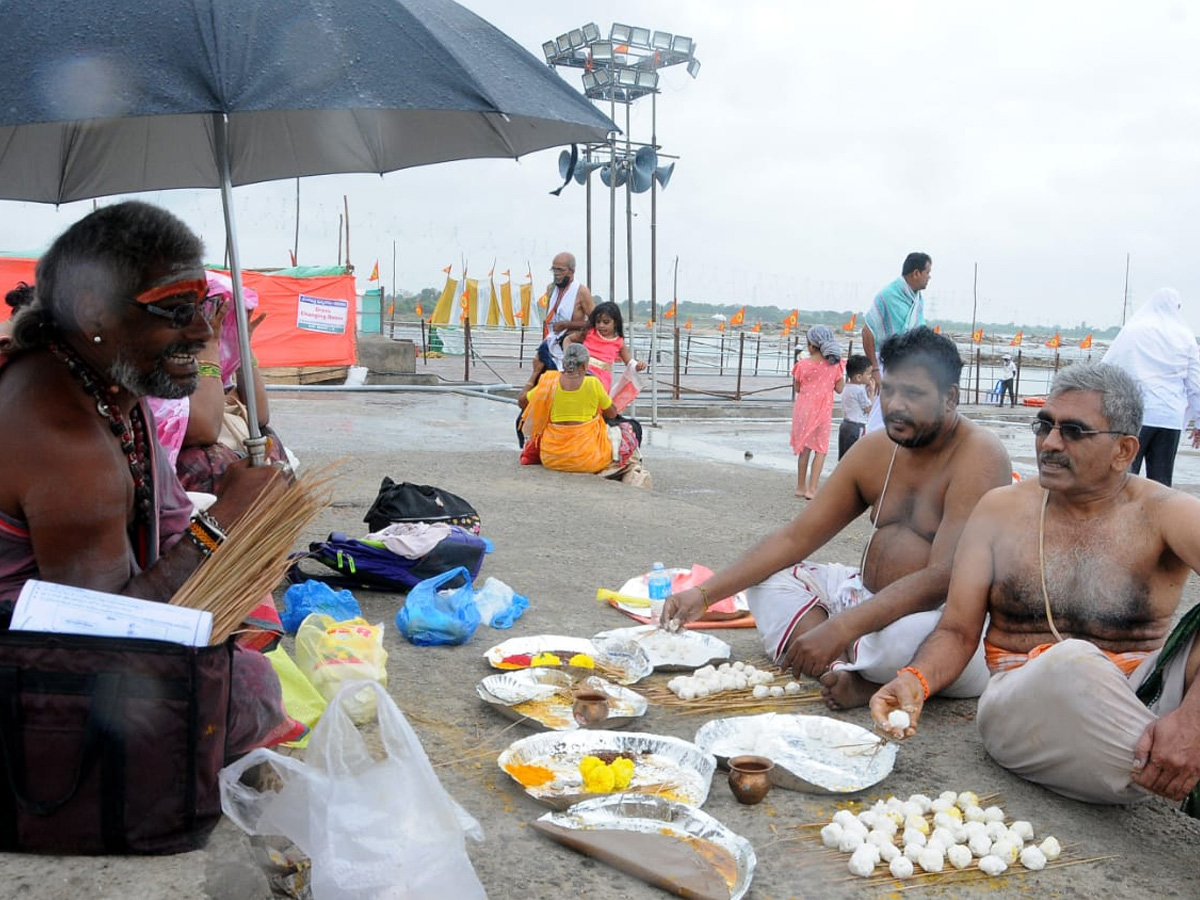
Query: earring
{"type": "Point", "coordinates": [97, 339]}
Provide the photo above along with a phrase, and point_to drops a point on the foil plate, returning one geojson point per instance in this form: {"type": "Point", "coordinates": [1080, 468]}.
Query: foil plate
{"type": "Point", "coordinates": [668, 651]}
{"type": "Point", "coordinates": [665, 766]}
{"type": "Point", "coordinates": [627, 659]}
{"type": "Point", "coordinates": [656, 815]}
{"type": "Point", "coordinates": [539, 695]}
{"type": "Point", "coordinates": [813, 754]}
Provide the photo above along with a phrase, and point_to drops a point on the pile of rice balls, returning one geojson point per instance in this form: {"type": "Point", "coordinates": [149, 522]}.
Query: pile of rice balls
{"type": "Point", "coordinates": [931, 834]}
{"type": "Point", "coordinates": [709, 682]}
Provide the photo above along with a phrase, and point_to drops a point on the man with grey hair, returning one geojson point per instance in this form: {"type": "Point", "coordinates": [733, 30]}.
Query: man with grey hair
{"type": "Point", "coordinates": [1091, 689]}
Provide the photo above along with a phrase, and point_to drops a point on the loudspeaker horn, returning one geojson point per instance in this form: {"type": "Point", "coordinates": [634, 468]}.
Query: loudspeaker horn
{"type": "Point", "coordinates": [565, 167]}
{"type": "Point", "coordinates": [663, 174]}
{"type": "Point", "coordinates": [612, 179]}
{"type": "Point", "coordinates": [584, 169]}
{"type": "Point", "coordinates": [644, 163]}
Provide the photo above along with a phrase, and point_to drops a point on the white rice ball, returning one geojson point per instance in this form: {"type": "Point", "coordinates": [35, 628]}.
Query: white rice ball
{"type": "Point", "coordinates": [831, 835]}
{"type": "Point", "coordinates": [899, 719]}
{"type": "Point", "coordinates": [704, 671]}
{"type": "Point", "coordinates": [728, 682]}
{"type": "Point", "coordinates": [996, 830]}
{"type": "Point", "coordinates": [739, 682]}
{"type": "Point", "coordinates": [888, 852]}
{"type": "Point", "coordinates": [1022, 828]}
{"type": "Point", "coordinates": [949, 796]}
{"type": "Point", "coordinates": [871, 850]}
{"type": "Point", "coordinates": [944, 820]}
{"type": "Point", "coordinates": [924, 802]}
{"type": "Point", "coordinates": [739, 666]}
{"type": "Point", "coordinates": [913, 836]}
{"type": "Point", "coordinates": [958, 856]}
{"type": "Point", "coordinates": [775, 690]}
{"type": "Point", "coordinates": [931, 859]}
{"type": "Point", "coordinates": [702, 690]}
{"type": "Point", "coordinates": [687, 693]}
{"type": "Point", "coordinates": [943, 836]}
{"type": "Point", "coordinates": [1006, 850]}
{"type": "Point", "coordinates": [992, 865]}
{"type": "Point", "coordinates": [913, 851]}
{"type": "Point", "coordinates": [1015, 836]}
{"type": "Point", "coordinates": [894, 803]}
{"type": "Point", "coordinates": [1033, 859]}
{"type": "Point", "coordinates": [850, 841]}
{"type": "Point", "coordinates": [958, 831]}
{"type": "Point", "coordinates": [912, 808]}
{"type": "Point", "coordinates": [1050, 848]}
{"type": "Point", "coordinates": [867, 818]}
{"type": "Point", "coordinates": [862, 862]}
{"type": "Point", "coordinates": [993, 814]}
{"type": "Point", "coordinates": [844, 817]}
{"type": "Point", "coordinates": [878, 838]}
{"type": "Point", "coordinates": [940, 805]}
{"type": "Point", "coordinates": [767, 677]}
{"type": "Point", "coordinates": [887, 824]}
{"type": "Point", "coordinates": [724, 667]}
{"type": "Point", "coordinates": [761, 692]}
{"type": "Point", "coordinates": [974, 828]}
{"type": "Point", "coordinates": [856, 827]}
{"type": "Point", "coordinates": [791, 687]}
{"type": "Point", "coordinates": [901, 867]}
{"type": "Point", "coordinates": [979, 844]}
{"type": "Point", "coordinates": [965, 799]}
{"type": "Point", "coordinates": [973, 813]}
{"type": "Point", "coordinates": [749, 669]}
{"type": "Point", "coordinates": [920, 823]}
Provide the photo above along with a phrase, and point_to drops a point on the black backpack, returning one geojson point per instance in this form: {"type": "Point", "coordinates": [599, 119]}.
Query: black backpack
{"type": "Point", "coordinates": [407, 502]}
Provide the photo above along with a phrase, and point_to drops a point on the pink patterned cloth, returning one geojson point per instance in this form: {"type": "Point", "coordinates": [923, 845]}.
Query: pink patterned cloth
{"type": "Point", "coordinates": [812, 413]}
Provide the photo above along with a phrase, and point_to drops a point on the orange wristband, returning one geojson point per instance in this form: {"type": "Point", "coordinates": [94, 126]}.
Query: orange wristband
{"type": "Point", "coordinates": [913, 670]}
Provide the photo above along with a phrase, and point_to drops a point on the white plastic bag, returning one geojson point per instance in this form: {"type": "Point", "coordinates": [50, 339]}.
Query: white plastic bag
{"type": "Point", "coordinates": [383, 830]}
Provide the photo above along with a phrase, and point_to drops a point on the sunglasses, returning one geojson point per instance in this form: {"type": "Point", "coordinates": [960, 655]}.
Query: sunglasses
{"type": "Point", "coordinates": [184, 314]}
{"type": "Point", "coordinates": [1071, 433]}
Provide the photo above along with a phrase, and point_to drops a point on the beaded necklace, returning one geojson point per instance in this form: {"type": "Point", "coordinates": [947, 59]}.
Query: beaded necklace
{"type": "Point", "coordinates": [132, 439]}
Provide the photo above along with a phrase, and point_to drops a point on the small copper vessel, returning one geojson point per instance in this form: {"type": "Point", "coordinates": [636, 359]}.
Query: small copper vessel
{"type": "Point", "coordinates": [750, 778]}
{"type": "Point", "coordinates": [591, 708]}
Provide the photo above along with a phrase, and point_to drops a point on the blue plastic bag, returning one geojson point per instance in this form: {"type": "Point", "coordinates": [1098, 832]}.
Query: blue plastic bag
{"type": "Point", "coordinates": [499, 606]}
{"type": "Point", "coordinates": [312, 596]}
{"type": "Point", "coordinates": [432, 617]}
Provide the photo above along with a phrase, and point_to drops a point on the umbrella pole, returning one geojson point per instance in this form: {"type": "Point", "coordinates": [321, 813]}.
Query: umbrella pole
{"type": "Point", "coordinates": [256, 444]}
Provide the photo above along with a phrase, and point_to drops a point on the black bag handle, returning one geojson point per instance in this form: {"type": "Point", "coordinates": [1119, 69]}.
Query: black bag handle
{"type": "Point", "coordinates": [106, 694]}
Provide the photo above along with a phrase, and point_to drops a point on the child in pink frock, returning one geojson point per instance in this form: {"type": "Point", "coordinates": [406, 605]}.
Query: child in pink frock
{"type": "Point", "coordinates": [605, 343]}
{"type": "Point", "coordinates": [817, 378]}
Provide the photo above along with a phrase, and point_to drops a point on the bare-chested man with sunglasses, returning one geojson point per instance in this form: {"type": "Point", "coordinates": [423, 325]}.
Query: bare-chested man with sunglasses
{"type": "Point", "coordinates": [1081, 572]}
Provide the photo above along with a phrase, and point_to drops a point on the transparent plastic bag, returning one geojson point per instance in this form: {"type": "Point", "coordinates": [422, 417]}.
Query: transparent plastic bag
{"type": "Point", "coordinates": [331, 653]}
{"type": "Point", "coordinates": [374, 830]}
{"type": "Point", "coordinates": [498, 604]}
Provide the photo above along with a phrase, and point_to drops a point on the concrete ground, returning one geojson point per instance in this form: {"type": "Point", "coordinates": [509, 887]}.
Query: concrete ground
{"type": "Point", "coordinates": [558, 537]}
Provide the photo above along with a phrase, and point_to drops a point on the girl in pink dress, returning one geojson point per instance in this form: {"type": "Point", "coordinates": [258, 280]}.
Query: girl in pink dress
{"type": "Point", "coordinates": [817, 378]}
{"type": "Point", "coordinates": [605, 343]}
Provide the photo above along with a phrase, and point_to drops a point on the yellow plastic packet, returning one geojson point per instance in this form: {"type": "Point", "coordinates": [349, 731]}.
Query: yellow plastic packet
{"type": "Point", "coordinates": [302, 701]}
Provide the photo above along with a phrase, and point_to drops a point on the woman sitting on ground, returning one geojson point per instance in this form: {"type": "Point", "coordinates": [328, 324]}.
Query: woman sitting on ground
{"type": "Point", "coordinates": [566, 418]}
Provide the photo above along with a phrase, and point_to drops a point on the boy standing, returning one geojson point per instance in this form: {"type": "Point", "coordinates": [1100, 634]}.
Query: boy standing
{"type": "Point", "coordinates": [856, 402]}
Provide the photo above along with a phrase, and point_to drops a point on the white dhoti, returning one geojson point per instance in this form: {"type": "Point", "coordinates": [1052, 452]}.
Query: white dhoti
{"type": "Point", "coordinates": [1069, 719]}
{"type": "Point", "coordinates": [780, 602]}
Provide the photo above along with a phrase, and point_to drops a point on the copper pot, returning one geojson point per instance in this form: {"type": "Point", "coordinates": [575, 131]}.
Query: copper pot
{"type": "Point", "coordinates": [591, 708]}
{"type": "Point", "coordinates": [750, 778]}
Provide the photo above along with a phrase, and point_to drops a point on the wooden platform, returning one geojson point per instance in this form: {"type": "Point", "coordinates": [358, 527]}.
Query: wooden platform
{"type": "Point", "coordinates": [305, 374]}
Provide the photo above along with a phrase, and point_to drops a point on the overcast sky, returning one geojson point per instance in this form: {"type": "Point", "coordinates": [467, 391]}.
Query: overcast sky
{"type": "Point", "coordinates": [819, 144]}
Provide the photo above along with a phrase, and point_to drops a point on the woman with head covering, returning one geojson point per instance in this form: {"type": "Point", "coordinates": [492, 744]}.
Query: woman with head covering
{"type": "Point", "coordinates": [1158, 349]}
{"type": "Point", "coordinates": [566, 417]}
{"type": "Point", "coordinates": [816, 378]}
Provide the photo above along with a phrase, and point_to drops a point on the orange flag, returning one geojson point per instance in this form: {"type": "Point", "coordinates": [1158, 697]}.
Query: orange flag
{"type": "Point", "coordinates": [937, 329]}
{"type": "Point", "coordinates": [1055, 341]}
{"type": "Point", "coordinates": [447, 270]}
{"type": "Point", "coordinates": [849, 326]}
{"type": "Point", "coordinates": [787, 329]}
{"type": "Point", "coordinates": [420, 312]}
{"type": "Point", "coordinates": [721, 327]}
{"type": "Point", "coordinates": [544, 300]}
{"type": "Point", "coordinates": [757, 327]}
{"type": "Point", "coordinates": [737, 318]}
{"type": "Point", "coordinates": [392, 309]}
{"type": "Point", "coordinates": [670, 313]}
{"type": "Point", "coordinates": [793, 320]}
{"type": "Point", "coordinates": [1086, 343]}
{"type": "Point", "coordinates": [688, 324]}
{"type": "Point", "coordinates": [977, 335]}
{"type": "Point", "coordinates": [505, 274]}
{"type": "Point", "coordinates": [375, 272]}
{"type": "Point", "coordinates": [1017, 338]}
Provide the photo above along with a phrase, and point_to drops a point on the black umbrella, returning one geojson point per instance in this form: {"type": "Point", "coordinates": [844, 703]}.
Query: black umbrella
{"type": "Point", "coordinates": [102, 97]}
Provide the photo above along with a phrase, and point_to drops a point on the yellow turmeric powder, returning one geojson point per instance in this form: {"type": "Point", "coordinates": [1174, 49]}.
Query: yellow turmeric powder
{"type": "Point", "coordinates": [529, 776]}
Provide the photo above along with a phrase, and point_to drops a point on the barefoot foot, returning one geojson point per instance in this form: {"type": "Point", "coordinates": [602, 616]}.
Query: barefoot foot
{"type": "Point", "coordinates": [841, 689]}
{"type": "Point", "coordinates": [808, 496]}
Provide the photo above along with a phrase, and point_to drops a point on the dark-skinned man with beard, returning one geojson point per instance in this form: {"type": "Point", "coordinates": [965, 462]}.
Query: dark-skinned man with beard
{"type": "Point", "coordinates": [87, 497]}
{"type": "Point", "coordinates": [920, 477]}
{"type": "Point", "coordinates": [1081, 572]}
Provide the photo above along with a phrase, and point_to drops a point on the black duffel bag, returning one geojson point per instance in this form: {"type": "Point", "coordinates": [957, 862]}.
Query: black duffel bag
{"type": "Point", "coordinates": [408, 502]}
{"type": "Point", "coordinates": [110, 745]}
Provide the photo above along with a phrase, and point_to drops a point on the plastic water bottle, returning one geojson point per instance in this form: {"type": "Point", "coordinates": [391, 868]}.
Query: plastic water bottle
{"type": "Point", "coordinates": [659, 583]}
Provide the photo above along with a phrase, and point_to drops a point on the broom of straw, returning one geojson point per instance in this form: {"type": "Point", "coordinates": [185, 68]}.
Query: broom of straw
{"type": "Point", "coordinates": [255, 556]}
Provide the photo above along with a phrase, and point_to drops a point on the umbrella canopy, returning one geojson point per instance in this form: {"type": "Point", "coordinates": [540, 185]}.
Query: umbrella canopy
{"type": "Point", "coordinates": [106, 97]}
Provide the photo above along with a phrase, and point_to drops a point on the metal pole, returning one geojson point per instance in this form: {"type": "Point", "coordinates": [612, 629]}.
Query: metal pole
{"type": "Point", "coordinates": [675, 379]}
{"type": "Point", "coordinates": [628, 213]}
{"type": "Point", "coordinates": [467, 349]}
{"type": "Point", "coordinates": [346, 204]}
{"type": "Point", "coordinates": [256, 444]}
{"type": "Point", "coordinates": [977, 355]}
{"type": "Point", "coordinates": [654, 266]}
{"type": "Point", "coordinates": [741, 356]}
{"type": "Point", "coordinates": [612, 210]}
{"type": "Point", "coordinates": [424, 345]}
{"type": "Point", "coordinates": [1125, 297]}
{"type": "Point", "coordinates": [974, 304]}
{"type": "Point", "coordinates": [296, 238]}
{"type": "Point", "coordinates": [587, 188]}
{"type": "Point", "coordinates": [1017, 382]}
{"type": "Point", "coordinates": [687, 356]}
